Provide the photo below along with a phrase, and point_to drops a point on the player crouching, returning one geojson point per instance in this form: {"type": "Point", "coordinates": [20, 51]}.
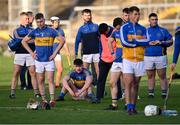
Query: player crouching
{"type": "Point", "coordinates": [78, 83]}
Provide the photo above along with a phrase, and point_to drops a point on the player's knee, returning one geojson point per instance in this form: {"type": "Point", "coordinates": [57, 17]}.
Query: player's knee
{"type": "Point", "coordinates": [32, 73]}
{"type": "Point", "coordinates": [60, 70]}
{"type": "Point", "coordinates": [50, 80]}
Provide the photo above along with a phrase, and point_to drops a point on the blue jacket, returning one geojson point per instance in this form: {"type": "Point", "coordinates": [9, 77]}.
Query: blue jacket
{"type": "Point", "coordinates": [161, 34]}
{"type": "Point", "coordinates": [18, 34]}
{"type": "Point", "coordinates": [89, 36]}
{"type": "Point", "coordinates": [176, 45]}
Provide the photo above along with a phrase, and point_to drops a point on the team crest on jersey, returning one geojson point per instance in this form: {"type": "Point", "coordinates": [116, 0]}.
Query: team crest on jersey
{"type": "Point", "coordinates": [41, 34]}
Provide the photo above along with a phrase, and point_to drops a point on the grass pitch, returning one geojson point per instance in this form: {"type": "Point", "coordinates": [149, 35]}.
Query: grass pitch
{"type": "Point", "coordinates": [80, 112]}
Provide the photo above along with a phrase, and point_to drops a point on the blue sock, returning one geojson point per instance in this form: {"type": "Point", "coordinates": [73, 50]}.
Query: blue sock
{"type": "Point", "coordinates": [90, 95]}
{"type": "Point", "coordinates": [62, 94]}
{"type": "Point", "coordinates": [129, 106]}
{"type": "Point", "coordinates": [133, 106]}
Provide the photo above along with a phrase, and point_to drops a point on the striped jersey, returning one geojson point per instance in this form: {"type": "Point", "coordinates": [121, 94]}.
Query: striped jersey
{"type": "Point", "coordinates": [133, 38]}
{"type": "Point", "coordinates": [79, 79]}
{"type": "Point", "coordinates": [44, 40]}
{"type": "Point", "coordinates": [56, 42]}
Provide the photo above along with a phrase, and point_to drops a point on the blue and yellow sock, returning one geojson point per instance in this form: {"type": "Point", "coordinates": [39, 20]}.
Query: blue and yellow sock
{"type": "Point", "coordinates": [62, 94]}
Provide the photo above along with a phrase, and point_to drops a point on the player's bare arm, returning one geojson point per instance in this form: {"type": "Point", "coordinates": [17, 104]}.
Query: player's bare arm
{"type": "Point", "coordinates": [66, 85]}
{"type": "Point", "coordinates": [61, 43]}
{"type": "Point", "coordinates": [88, 82]}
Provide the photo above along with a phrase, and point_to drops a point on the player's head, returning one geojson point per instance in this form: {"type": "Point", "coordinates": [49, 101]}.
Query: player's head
{"type": "Point", "coordinates": [78, 64]}
{"type": "Point", "coordinates": [103, 28]}
{"type": "Point", "coordinates": [134, 14]}
{"type": "Point", "coordinates": [117, 23]}
{"type": "Point", "coordinates": [40, 21]}
{"type": "Point", "coordinates": [86, 15]}
{"type": "Point", "coordinates": [24, 19]}
{"type": "Point", "coordinates": [153, 19]}
{"type": "Point", "coordinates": [55, 21]}
{"type": "Point", "coordinates": [125, 14]}
{"type": "Point", "coordinates": [31, 17]}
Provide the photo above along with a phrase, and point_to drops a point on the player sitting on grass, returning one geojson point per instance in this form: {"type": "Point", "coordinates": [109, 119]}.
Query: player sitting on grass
{"type": "Point", "coordinates": [78, 83]}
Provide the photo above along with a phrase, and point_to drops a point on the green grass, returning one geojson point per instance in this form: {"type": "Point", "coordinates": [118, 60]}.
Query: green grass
{"type": "Point", "coordinates": [68, 111]}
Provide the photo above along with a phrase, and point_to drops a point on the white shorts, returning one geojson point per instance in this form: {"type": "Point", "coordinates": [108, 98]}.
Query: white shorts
{"type": "Point", "coordinates": [91, 58]}
{"type": "Point", "coordinates": [58, 57]}
{"type": "Point", "coordinates": [116, 67]}
{"type": "Point", "coordinates": [44, 66]}
{"type": "Point", "coordinates": [136, 68]}
{"type": "Point", "coordinates": [158, 62]}
{"type": "Point", "coordinates": [21, 59]}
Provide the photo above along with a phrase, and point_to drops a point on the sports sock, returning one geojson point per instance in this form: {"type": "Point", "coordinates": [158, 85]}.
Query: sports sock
{"type": "Point", "coordinates": [151, 91]}
{"type": "Point", "coordinates": [90, 95]}
{"type": "Point", "coordinates": [114, 102]}
{"type": "Point", "coordinates": [164, 92]}
{"type": "Point", "coordinates": [133, 106]}
{"type": "Point", "coordinates": [52, 97]}
{"type": "Point", "coordinates": [129, 106]}
{"type": "Point", "coordinates": [61, 94]}
{"type": "Point", "coordinates": [43, 97]}
{"type": "Point", "coordinates": [36, 91]}
{"type": "Point", "coordinates": [13, 91]}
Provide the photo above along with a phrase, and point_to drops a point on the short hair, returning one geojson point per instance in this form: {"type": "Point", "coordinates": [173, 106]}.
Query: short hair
{"type": "Point", "coordinates": [39, 16]}
{"type": "Point", "coordinates": [152, 15]}
{"type": "Point", "coordinates": [86, 11]}
{"type": "Point", "coordinates": [103, 27]}
{"type": "Point", "coordinates": [23, 13]}
{"type": "Point", "coordinates": [125, 10]}
{"type": "Point", "coordinates": [30, 13]}
{"type": "Point", "coordinates": [78, 62]}
{"type": "Point", "coordinates": [117, 21]}
{"type": "Point", "coordinates": [134, 8]}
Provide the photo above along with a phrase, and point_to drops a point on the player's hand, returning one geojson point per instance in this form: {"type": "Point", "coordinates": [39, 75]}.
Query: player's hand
{"type": "Point", "coordinates": [72, 93]}
{"type": "Point", "coordinates": [34, 55]}
{"type": "Point", "coordinates": [153, 43]}
{"type": "Point", "coordinates": [76, 94]}
{"type": "Point", "coordinates": [114, 56]}
{"type": "Point", "coordinates": [52, 57]}
{"type": "Point", "coordinates": [172, 67]}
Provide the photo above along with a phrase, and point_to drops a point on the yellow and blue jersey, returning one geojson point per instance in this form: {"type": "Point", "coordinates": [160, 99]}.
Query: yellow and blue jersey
{"type": "Point", "coordinates": [44, 40]}
{"type": "Point", "coordinates": [160, 34]}
{"type": "Point", "coordinates": [56, 42]}
{"type": "Point", "coordinates": [176, 45]}
{"type": "Point", "coordinates": [133, 38]}
{"type": "Point", "coordinates": [79, 79]}
{"type": "Point", "coordinates": [116, 36]}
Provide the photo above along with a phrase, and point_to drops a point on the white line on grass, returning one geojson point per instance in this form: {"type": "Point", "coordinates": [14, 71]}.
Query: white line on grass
{"type": "Point", "coordinates": [71, 109]}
